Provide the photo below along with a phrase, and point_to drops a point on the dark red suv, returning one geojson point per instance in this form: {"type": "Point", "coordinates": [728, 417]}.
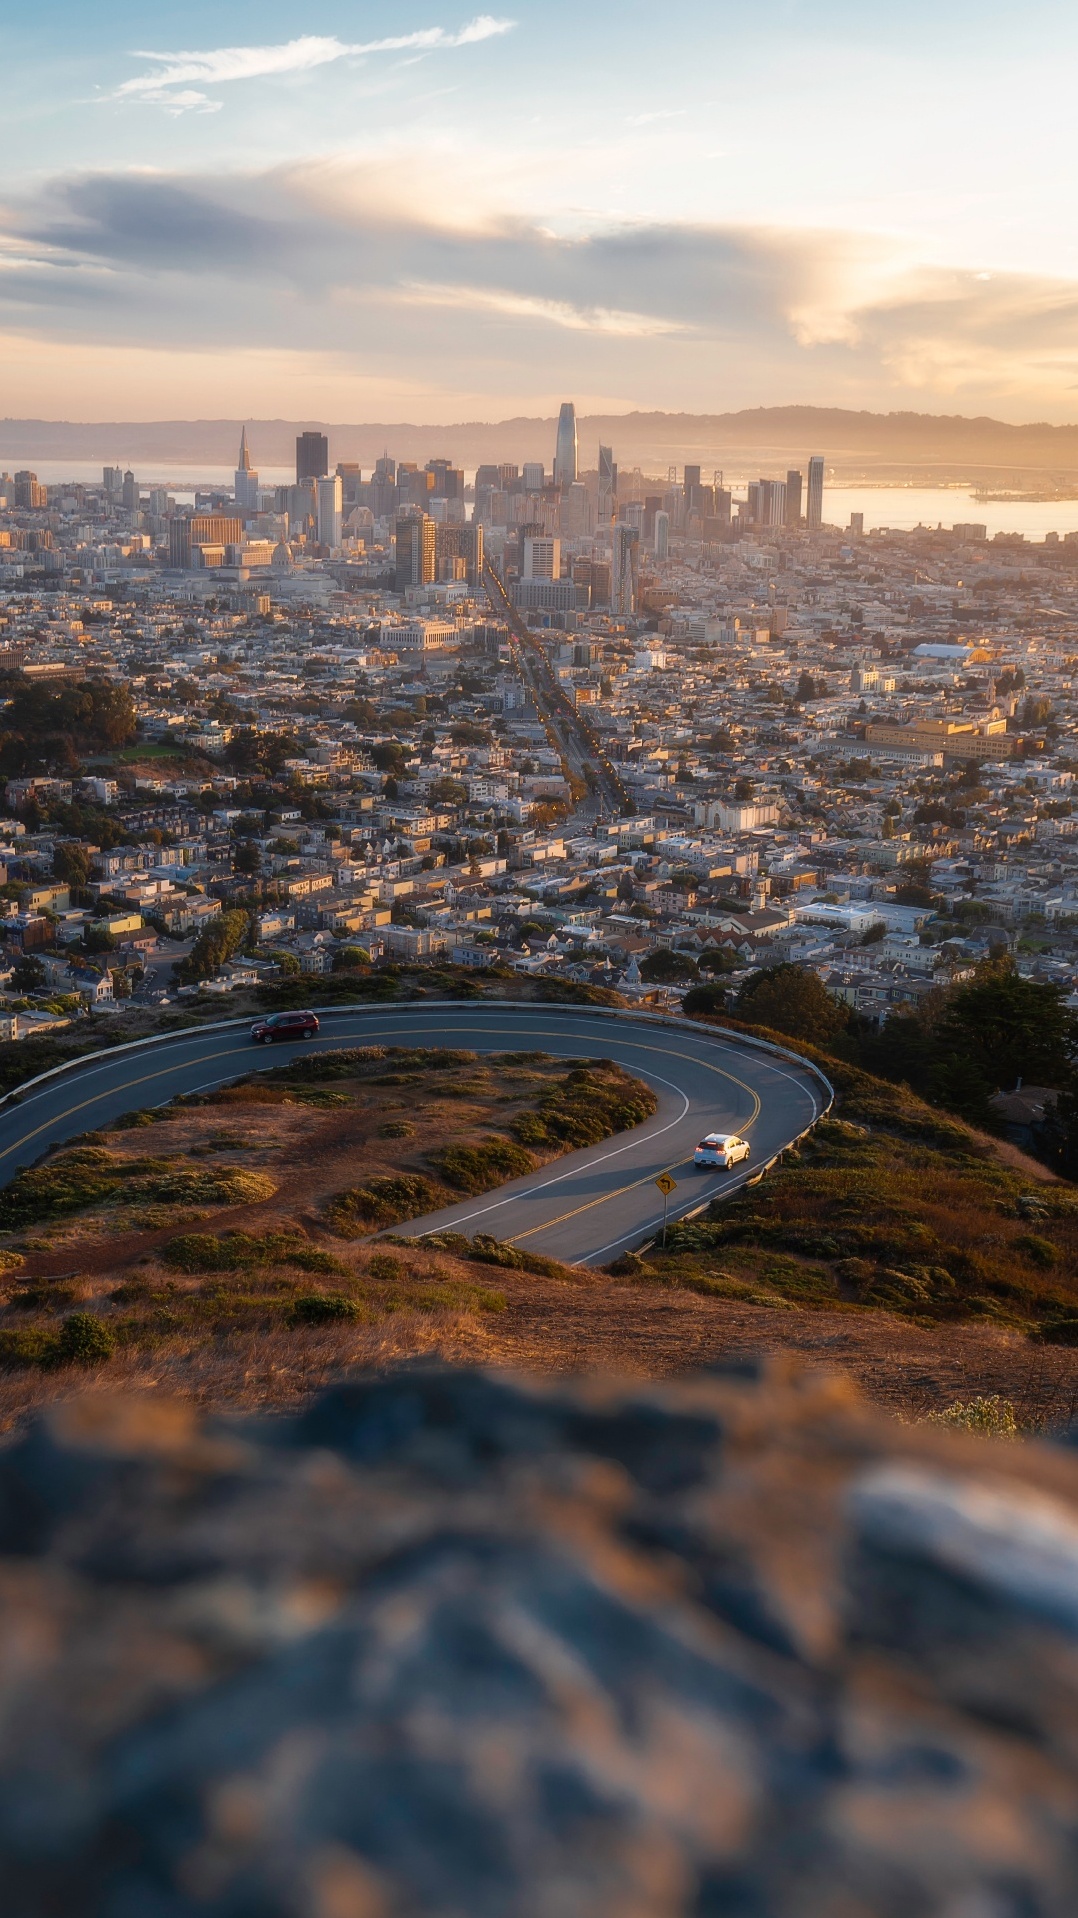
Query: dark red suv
{"type": "Point", "coordinates": [284, 1025]}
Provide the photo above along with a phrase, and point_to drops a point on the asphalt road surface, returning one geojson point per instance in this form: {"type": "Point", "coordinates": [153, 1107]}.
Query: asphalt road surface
{"type": "Point", "coordinates": [583, 1209]}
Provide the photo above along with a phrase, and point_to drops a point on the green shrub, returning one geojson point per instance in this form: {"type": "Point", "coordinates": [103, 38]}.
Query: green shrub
{"type": "Point", "coordinates": [382, 1201]}
{"type": "Point", "coordinates": [991, 1417]}
{"type": "Point", "coordinates": [69, 1184]}
{"type": "Point", "coordinates": [384, 1269]}
{"type": "Point", "coordinates": [84, 1339]}
{"type": "Point", "coordinates": [322, 1308]}
{"type": "Point", "coordinates": [209, 1188]}
{"type": "Point", "coordinates": [592, 1101]}
{"type": "Point", "coordinates": [1061, 1329]}
{"type": "Point", "coordinates": [29, 1345]}
{"type": "Point", "coordinates": [491, 1251]}
{"type": "Point", "coordinates": [478, 1168]}
{"type": "Point", "coordinates": [1038, 1251]}
{"type": "Point", "coordinates": [195, 1252]}
{"type": "Point", "coordinates": [396, 1129]}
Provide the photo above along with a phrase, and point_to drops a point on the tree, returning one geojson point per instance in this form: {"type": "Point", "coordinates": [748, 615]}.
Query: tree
{"type": "Point", "coordinates": [744, 789]}
{"type": "Point", "coordinates": [789, 999]}
{"type": "Point", "coordinates": [718, 959]}
{"type": "Point", "coordinates": [29, 974]}
{"type": "Point", "coordinates": [350, 958]}
{"type": "Point", "coordinates": [448, 792]}
{"type": "Point", "coordinates": [1036, 711]}
{"type": "Point", "coordinates": [247, 858]}
{"type": "Point", "coordinates": [216, 944]}
{"type": "Point", "coordinates": [667, 968]}
{"type": "Point", "coordinates": [702, 1000]}
{"type": "Point", "coordinates": [59, 722]}
{"type": "Point", "coordinates": [252, 755]}
{"type": "Point", "coordinates": [1010, 1028]}
{"type": "Point", "coordinates": [98, 939]}
{"type": "Point", "coordinates": [71, 864]}
{"type": "Point", "coordinates": [389, 756]}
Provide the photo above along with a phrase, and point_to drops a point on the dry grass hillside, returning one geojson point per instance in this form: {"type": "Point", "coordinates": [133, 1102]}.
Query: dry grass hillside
{"type": "Point", "coordinates": [233, 1248]}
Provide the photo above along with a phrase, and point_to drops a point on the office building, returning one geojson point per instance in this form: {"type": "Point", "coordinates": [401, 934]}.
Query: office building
{"type": "Point", "coordinates": [312, 456]}
{"type": "Point", "coordinates": [197, 541]}
{"type": "Point", "coordinates": [330, 506]}
{"type": "Point", "coordinates": [608, 484]}
{"type": "Point", "coordinates": [351, 483]}
{"type": "Point", "coordinates": [416, 552]}
{"type": "Point", "coordinates": [814, 506]}
{"type": "Point", "coordinates": [246, 479]}
{"type": "Point", "coordinates": [458, 552]}
{"type": "Point", "coordinates": [29, 492]}
{"type": "Point", "coordinates": [542, 558]}
{"type": "Point", "coordinates": [130, 493]}
{"type": "Point", "coordinates": [113, 480]}
{"type": "Point", "coordinates": [383, 493]}
{"type": "Point", "coordinates": [576, 512]}
{"type": "Point", "coordinates": [857, 524]}
{"type": "Point", "coordinates": [794, 486]}
{"type": "Point", "coordinates": [623, 563]}
{"type": "Point", "coordinates": [565, 458]}
{"type": "Point", "coordinates": [534, 476]}
{"type": "Point", "coordinates": [448, 479]}
{"type": "Point", "coordinates": [661, 538]}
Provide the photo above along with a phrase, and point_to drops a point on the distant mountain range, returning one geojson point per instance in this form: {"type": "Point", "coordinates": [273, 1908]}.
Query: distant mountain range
{"type": "Point", "coordinates": [922, 447]}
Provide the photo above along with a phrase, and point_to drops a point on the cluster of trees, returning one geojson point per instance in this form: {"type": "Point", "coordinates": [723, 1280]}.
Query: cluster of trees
{"type": "Point", "coordinates": [56, 724]}
{"type": "Point", "coordinates": [964, 1043]}
{"type": "Point", "coordinates": [785, 998]}
{"type": "Point", "coordinates": [956, 1048]}
{"type": "Point", "coordinates": [253, 755]}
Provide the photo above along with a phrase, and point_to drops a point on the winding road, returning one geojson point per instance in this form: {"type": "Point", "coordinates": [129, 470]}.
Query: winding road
{"type": "Point", "coordinates": [585, 1208]}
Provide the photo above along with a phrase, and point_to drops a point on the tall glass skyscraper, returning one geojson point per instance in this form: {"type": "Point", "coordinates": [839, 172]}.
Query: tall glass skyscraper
{"type": "Point", "coordinates": [565, 455]}
{"type": "Point", "coordinates": [814, 504]}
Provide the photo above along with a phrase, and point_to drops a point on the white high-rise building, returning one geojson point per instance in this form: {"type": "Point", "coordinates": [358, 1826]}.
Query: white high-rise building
{"type": "Point", "coordinates": [246, 479]}
{"type": "Point", "coordinates": [542, 559]}
{"type": "Point", "coordinates": [565, 458]}
{"type": "Point", "coordinates": [814, 504]}
{"type": "Point", "coordinates": [330, 510]}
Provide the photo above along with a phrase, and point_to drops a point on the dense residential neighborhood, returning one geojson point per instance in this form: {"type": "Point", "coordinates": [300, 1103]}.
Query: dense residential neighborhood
{"type": "Point", "coordinates": [295, 731]}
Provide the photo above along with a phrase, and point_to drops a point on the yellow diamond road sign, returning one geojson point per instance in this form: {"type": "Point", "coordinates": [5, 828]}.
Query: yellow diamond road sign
{"type": "Point", "coordinates": [666, 1184]}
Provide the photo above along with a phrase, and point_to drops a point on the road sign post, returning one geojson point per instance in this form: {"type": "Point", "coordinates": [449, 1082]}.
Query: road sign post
{"type": "Point", "coordinates": [666, 1185]}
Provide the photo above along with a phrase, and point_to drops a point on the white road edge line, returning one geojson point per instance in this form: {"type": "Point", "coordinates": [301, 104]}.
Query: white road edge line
{"type": "Point", "coordinates": [654, 1224]}
{"type": "Point", "coordinates": [511, 1197]}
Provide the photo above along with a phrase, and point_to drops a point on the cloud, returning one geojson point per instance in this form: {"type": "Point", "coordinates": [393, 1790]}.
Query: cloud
{"type": "Point", "coordinates": [170, 73]}
{"type": "Point", "coordinates": [313, 260]}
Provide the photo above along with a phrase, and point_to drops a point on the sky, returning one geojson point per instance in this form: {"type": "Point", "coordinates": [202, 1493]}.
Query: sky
{"type": "Point", "coordinates": [435, 214]}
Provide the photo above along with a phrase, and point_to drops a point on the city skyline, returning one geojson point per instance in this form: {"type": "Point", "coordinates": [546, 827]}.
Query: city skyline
{"type": "Point", "coordinates": [478, 212]}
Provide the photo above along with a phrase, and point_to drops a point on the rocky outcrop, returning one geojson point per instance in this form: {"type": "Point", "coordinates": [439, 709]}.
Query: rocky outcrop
{"type": "Point", "coordinates": [463, 1645]}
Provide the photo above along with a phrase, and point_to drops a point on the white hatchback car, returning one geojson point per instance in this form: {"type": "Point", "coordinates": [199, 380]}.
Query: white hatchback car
{"type": "Point", "coordinates": [721, 1150]}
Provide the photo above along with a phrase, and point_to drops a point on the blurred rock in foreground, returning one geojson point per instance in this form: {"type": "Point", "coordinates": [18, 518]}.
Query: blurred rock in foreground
{"type": "Point", "coordinates": [453, 1643]}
